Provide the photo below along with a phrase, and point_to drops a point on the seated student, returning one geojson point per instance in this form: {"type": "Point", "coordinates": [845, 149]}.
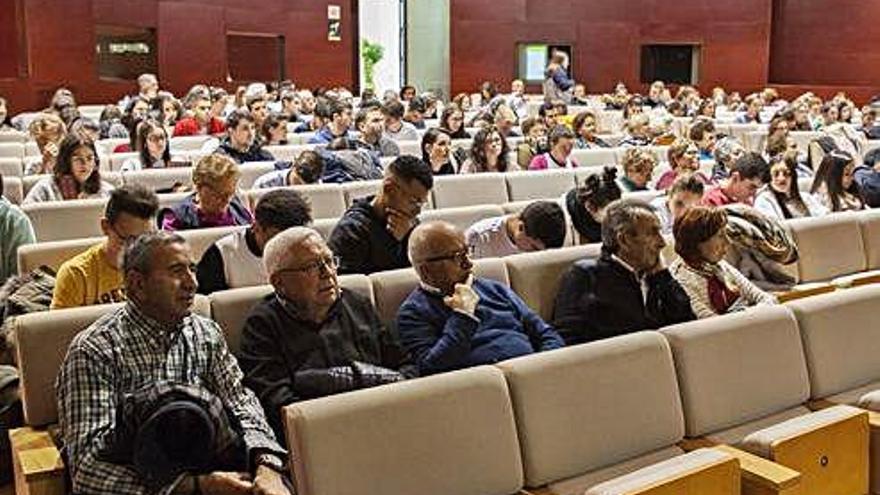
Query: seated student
{"type": "Point", "coordinates": [452, 121]}
{"type": "Point", "coordinates": [310, 337]}
{"type": "Point", "coordinates": [15, 230]}
{"type": "Point", "coordinates": [76, 175]}
{"type": "Point", "coordinates": [489, 153]}
{"type": "Point", "coordinates": [152, 146]}
{"type": "Point", "coordinates": [585, 126]}
{"type": "Point", "coordinates": [754, 104]}
{"type": "Point", "coordinates": [746, 177]}
{"type": "Point", "coordinates": [258, 107]}
{"type": "Point", "coordinates": [373, 233]}
{"type": "Point", "coordinates": [627, 289]}
{"type": "Point", "coordinates": [454, 319]}
{"type": "Point", "coordinates": [683, 158]}
{"type": "Point", "coordinates": [638, 166]}
{"type": "Point", "coordinates": [371, 125]}
{"type": "Point", "coordinates": [559, 156]}
{"type": "Point", "coordinates": [782, 198]}
{"type": "Point", "coordinates": [240, 142]}
{"type": "Point", "coordinates": [540, 225]}
{"type": "Point", "coordinates": [712, 284]}
{"type": "Point", "coordinates": [505, 120]}
{"type": "Point", "coordinates": [308, 168]}
{"type": "Point", "coordinates": [274, 130]}
{"type": "Point", "coordinates": [415, 112]}
{"type": "Point", "coordinates": [586, 204]}
{"type": "Point", "coordinates": [236, 260]}
{"type": "Point", "coordinates": [338, 122]}
{"type": "Point", "coordinates": [867, 176]}
{"type": "Point", "coordinates": [48, 131]}
{"type": "Point", "coordinates": [637, 131]}
{"type": "Point", "coordinates": [139, 383]}
{"type": "Point", "coordinates": [535, 142]}
{"type": "Point", "coordinates": [835, 185]}
{"type": "Point", "coordinates": [727, 151]}
{"type": "Point", "coordinates": [435, 151]}
{"type": "Point", "coordinates": [702, 134]}
{"type": "Point", "coordinates": [345, 162]}
{"type": "Point", "coordinates": [685, 192]}
{"type": "Point", "coordinates": [395, 127]}
{"type": "Point", "coordinates": [214, 203]}
{"type": "Point", "coordinates": [201, 122]}
{"type": "Point", "coordinates": [93, 276]}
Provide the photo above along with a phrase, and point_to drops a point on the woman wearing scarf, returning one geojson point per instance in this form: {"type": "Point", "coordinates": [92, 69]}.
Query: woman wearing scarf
{"type": "Point", "coordinates": [714, 286]}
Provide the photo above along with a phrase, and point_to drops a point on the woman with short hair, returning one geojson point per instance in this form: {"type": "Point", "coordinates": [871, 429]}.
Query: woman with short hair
{"type": "Point", "coordinates": [713, 285]}
{"type": "Point", "coordinates": [214, 202]}
{"type": "Point", "coordinates": [585, 126]}
{"type": "Point", "coordinates": [76, 174]}
{"type": "Point", "coordinates": [683, 157]}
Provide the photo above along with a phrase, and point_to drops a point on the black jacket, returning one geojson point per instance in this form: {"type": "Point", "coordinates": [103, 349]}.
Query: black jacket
{"type": "Point", "coordinates": [363, 242]}
{"type": "Point", "coordinates": [255, 153]}
{"type": "Point", "coordinates": [599, 298]}
{"type": "Point", "coordinates": [286, 359]}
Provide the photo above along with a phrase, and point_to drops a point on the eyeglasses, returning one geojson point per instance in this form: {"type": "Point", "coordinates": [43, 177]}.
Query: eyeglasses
{"type": "Point", "coordinates": [463, 256]}
{"type": "Point", "coordinates": [328, 263]}
{"type": "Point", "coordinates": [784, 172]}
{"type": "Point", "coordinates": [128, 239]}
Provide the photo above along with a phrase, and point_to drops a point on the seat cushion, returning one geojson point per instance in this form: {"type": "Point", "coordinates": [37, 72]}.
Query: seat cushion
{"type": "Point", "coordinates": [577, 408]}
{"type": "Point", "coordinates": [578, 484]}
{"type": "Point", "coordinates": [761, 442]}
{"type": "Point", "coordinates": [452, 433]}
{"type": "Point", "coordinates": [822, 260]}
{"type": "Point", "coordinates": [735, 435]}
{"type": "Point", "coordinates": [738, 367]}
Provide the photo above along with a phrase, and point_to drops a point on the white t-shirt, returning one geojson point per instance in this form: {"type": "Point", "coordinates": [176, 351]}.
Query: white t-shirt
{"type": "Point", "coordinates": [243, 268]}
{"type": "Point", "coordinates": [488, 239]}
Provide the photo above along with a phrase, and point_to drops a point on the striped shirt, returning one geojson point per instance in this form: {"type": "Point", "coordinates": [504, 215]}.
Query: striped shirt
{"type": "Point", "coordinates": [124, 351]}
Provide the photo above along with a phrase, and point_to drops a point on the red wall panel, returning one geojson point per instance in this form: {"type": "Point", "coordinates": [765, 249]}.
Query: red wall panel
{"type": "Point", "coordinates": [9, 39]}
{"type": "Point", "coordinates": [191, 39]}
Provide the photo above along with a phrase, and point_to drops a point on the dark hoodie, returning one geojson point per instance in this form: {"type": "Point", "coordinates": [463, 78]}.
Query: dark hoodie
{"type": "Point", "coordinates": [363, 242]}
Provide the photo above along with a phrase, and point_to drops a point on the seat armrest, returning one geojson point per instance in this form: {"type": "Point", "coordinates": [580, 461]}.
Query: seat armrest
{"type": "Point", "coordinates": [804, 290]}
{"type": "Point", "coordinates": [37, 462]}
{"type": "Point", "coordinates": [759, 475]}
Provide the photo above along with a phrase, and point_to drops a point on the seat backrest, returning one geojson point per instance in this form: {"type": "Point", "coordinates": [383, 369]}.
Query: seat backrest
{"type": "Point", "coordinates": [73, 219]}
{"type": "Point", "coordinates": [869, 222]}
{"type": "Point", "coordinates": [187, 143]}
{"type": "Point", "coordinates": [738, 367]}
{"type": "Point", "coordinates": [829, 246]}
{"type": "Point", "coordinates": [452, 433]}
{"type": "Point", "coordinates": [469, 189]}
{"type": "Point", "coordinates": [360, 189]}
{"type": "Point", "coordinates": [289, 152]}
{"type": "Point", "coordinates": [230, 308]}
{"type": "Point", "coordinates": [411, 148]}
{"type": "Point", "coordinates": [11, 167]}
{"type": "Point", "coordinates": [252, 171]}
{"type": "Point", "coordinates": [115, 160]}
{"type": "Point", "coordinates": [577, 408]}
{"type": "Point", "coordinates": [535, 276]}
{"type": "Point", "coordinates": [42, 340]}
{"type": "Point", "coordinates": [159, 178]}
{"type": "Point", "coordinates": [462, 217]}
{"type": "Point", "coordinates": [545, 184]}
{"type": "Point", "coordinates": [841, 339]}
{"type": "Point", "coordinates": [12, 150]}
{"type": "Point", "coordinates": [327, 200]}
{"type": "Point", "coordinates": [12, 189]}
{"type": "Point", "coordinates": [596, 157]}
{"type": "Point", "coordinates": [391, 288]}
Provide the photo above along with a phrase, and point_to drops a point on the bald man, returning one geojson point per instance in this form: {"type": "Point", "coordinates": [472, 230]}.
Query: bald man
{"type": "Point", "coordinates": [455, 320]}
{"type": "Point", "coordinates": [311, 337]}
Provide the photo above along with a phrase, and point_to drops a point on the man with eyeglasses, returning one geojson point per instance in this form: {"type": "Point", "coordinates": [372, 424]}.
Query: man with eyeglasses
{"type": "Point", "coordinates": [93, 276]}
{"type": "Point", "coordinates": [454, 319]}
{"type": "Point", "coordinates": [311, 337]}
{"type": "Point", "coordinates": [373, 234]}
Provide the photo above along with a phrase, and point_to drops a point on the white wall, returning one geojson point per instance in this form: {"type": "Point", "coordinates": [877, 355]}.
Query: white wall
{"type": "Point", "coordinates": [380, 23]}
{"type": "Point", "coordinates": [428, 45]}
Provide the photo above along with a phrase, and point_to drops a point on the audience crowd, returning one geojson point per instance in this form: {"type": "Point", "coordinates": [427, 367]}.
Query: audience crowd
{"type": "Point", "coordinates": [138, 380]}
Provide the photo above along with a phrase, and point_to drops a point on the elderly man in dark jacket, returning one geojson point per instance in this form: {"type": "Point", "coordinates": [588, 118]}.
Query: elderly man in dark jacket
{"type": "Point", "coordinates": [627, 289]}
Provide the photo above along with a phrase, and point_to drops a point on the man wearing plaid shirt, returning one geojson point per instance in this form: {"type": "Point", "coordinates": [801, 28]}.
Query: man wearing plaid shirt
{"type": "Point", "coordinates": [154, 338]}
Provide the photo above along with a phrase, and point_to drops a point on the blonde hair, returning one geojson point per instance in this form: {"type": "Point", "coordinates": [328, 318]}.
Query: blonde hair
{"type": "Point", "coordinates": [214, 169]}
{"type": "Point", "coordinates": [44, 125]}
{"type": "Point", "coordinates": [676, 150]}
{"type": "Point", "coordinates": [633, 157]}
{"type": "Point", "coordinates": [637, 120]}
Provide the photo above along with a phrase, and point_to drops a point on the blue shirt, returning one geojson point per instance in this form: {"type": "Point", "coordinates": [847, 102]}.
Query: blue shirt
{"type": "Point", "coordinates": [325, 136]}
{"type": "Point", "coordinates": [503, 327]}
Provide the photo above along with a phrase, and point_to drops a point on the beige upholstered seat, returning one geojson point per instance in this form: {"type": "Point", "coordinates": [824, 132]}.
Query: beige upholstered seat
{"type": "Point", "coordinates": [288, 152]}
{"type": "Point", "coordinates": [597, 157]}
{"type": "Point", "coordinates": [549, 184]}
{"type": "Point", "coordinates": [829, 246]}
{"type": "Point", "coordinates": [58, 220]}
{"type": "Point", "coordinates": [187, 143]}
{"type": "Point", "coordinates": [464, 216]}
{"type": "Point", "coordinates": [12, 190]}
{"type": "Point", "coordinates": [869, 222]}
{"type": "Point", "coordinates": [535, 276]}
{"type": "Point", "coordinates": [583, 408]}
{"type": "Point", "coordinates": [229, 308]}
{"type": "Point", "coordinates": [114, 161]}
{"type": "Point", "coordinates": [159, 178]}
{"type": "Point", "coordinates": [327, 200]}
{"type": "Point", "coordinates": [735, 370]}
{"type": "Point", "coordinates": [10, 167]}
{"type": "Point", "coordinates": [252, 171]}
{"type": "Point", "coordinates": [12, 150]}
{"type": "Point", "coordinates": [452, 433]}
{"type": "Point", "coordinates": [360, 189]}
{"type": "Point", "coordinates": [391, 288]}
{"type": "Point", "coordinates": [411, 148]}
{"type": "Point", "coordinates": [469, 189]}
{"type": "Point", "coordinates": [42, 339]}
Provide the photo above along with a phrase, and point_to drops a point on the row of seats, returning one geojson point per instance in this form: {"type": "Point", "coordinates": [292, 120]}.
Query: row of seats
{"type": "Point", "coordinates": [564, 420]}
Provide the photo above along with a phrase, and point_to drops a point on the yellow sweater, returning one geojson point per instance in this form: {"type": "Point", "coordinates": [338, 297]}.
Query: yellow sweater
{"type": "Point", "coordinates": [87, 279]}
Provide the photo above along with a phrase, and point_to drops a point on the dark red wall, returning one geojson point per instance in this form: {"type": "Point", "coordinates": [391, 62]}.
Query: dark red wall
{"type": "Point", "coordinates": [607, 36]}
{"type": "Point", "coordinates": [191, 38]}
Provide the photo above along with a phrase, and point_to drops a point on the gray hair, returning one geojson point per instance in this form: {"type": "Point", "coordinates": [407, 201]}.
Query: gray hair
{"type": "Point", "coordinates": [147, 78]}
{"type": "Point", "coordinates": [725, 149]}
{"type": "Point", "coordinates": [275, 251]}
{"type": "Point", "coordinates": [620, 217]}
{"type": "Point", "coordinates": [138, 255]}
